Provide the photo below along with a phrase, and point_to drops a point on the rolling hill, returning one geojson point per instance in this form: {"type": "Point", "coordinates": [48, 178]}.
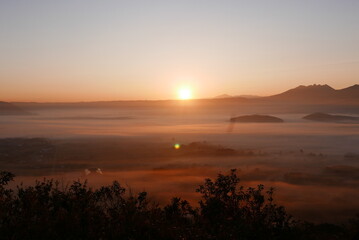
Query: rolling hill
{"type": "Point", "coordinates": [257, 119]}
{"type": "Point", "coordinates": [324, 117]}
{"type": "Point", "coordinates": [10, 109]}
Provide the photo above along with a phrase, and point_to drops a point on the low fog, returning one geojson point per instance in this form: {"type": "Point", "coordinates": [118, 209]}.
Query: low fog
{"type": "Point", "coordinates": [312, 165]}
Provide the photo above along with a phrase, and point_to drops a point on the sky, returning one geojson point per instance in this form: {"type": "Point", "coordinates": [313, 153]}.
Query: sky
{"type": "Point", "coordinates": [85, 50]}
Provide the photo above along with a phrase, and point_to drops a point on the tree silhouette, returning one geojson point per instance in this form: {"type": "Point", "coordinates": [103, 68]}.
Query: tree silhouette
{"type": "Point", "coordinates": [226, 211]}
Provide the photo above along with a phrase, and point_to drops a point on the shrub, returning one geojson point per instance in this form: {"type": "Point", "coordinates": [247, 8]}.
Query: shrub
{"type": "Point", "coordinates": [226, 211]}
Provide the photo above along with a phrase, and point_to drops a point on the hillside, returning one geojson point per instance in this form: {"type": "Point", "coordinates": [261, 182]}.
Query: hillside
{"type": "Point", "coordinates": [319, 94]}
{"type": "Point", "coordinates": [9, 109]}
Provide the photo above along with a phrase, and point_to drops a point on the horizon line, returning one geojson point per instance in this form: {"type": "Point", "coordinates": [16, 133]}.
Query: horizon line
{"type": "Point", "coordinates": [157, 100]}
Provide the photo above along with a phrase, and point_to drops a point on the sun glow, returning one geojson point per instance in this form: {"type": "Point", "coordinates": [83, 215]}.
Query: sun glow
{"type": "Point", "coordinates": [184, 93]}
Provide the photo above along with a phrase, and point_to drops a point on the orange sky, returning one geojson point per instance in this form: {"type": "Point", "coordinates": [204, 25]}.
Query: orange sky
{"type": "Point", "coordinates": [115, 50]}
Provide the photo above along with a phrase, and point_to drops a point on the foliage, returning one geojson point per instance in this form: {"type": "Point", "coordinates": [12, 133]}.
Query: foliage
{"type": "Point", "coordinates": [226, 211]}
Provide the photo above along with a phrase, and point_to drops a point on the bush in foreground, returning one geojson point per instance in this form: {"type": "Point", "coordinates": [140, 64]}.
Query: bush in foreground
{"type": "Point", "coordinates": [226, 211]}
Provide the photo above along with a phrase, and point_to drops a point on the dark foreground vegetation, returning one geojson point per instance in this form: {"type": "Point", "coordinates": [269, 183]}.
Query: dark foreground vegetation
{"type": "Point", "coordinates": [49, 210]}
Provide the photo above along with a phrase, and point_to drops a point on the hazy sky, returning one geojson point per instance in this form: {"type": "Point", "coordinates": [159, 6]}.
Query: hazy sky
{"type": "Point", "coordinates": [109, 50]}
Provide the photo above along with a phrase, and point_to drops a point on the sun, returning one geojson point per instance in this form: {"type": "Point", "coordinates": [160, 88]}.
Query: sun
{"type": "Point", "coordinates": [184, 93]}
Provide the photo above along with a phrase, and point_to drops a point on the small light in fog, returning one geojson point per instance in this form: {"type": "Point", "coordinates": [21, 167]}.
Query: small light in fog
{"type": "Point", "coordinates": [87, 172]}
{"type": "Point", "coordinates": [177, 146]}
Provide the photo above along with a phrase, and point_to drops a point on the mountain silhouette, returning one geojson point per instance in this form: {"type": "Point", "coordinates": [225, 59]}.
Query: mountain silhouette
{"type": "Point", "coordinates": [237, 96]}
{"type": "Point", "coordinates": [224, 96]}
{"type": "Point", "coordinates": [319, 94]}
{"type": "Point", "coordinates": [10, 109]}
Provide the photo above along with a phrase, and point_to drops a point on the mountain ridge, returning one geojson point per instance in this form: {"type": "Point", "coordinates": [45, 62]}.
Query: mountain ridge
{"type": "Point", "coordinates": [319, 94]}
{"type": "Point", "coordinates": [10, 109]}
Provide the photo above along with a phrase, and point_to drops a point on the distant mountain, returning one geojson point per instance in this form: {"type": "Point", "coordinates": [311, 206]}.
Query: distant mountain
{"type": "Point", "coordinates": [324, 117]}
{"type": "Point", "coordinates": [350, 91]}
{"type": "Point", "coordinates": [248, 96]}
{"type": "Point", "coordinates": [316, 93]}
{"type": "Point", "coordinates": [237, 96]}
{"type": "Point", "coordinates": [319, 94]}
{"type": "Point", "coordinates": [311, 91]}
{"type": "Point", "coordinates": [10, 109]}
{"type": "Point", "coordinates": [224, 96]}
{"type": "Point", "coordinates": [256, 119]}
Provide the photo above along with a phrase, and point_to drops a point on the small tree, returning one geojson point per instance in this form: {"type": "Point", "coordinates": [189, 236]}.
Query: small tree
{"type": "Point", "coordinates": [231, 211]}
